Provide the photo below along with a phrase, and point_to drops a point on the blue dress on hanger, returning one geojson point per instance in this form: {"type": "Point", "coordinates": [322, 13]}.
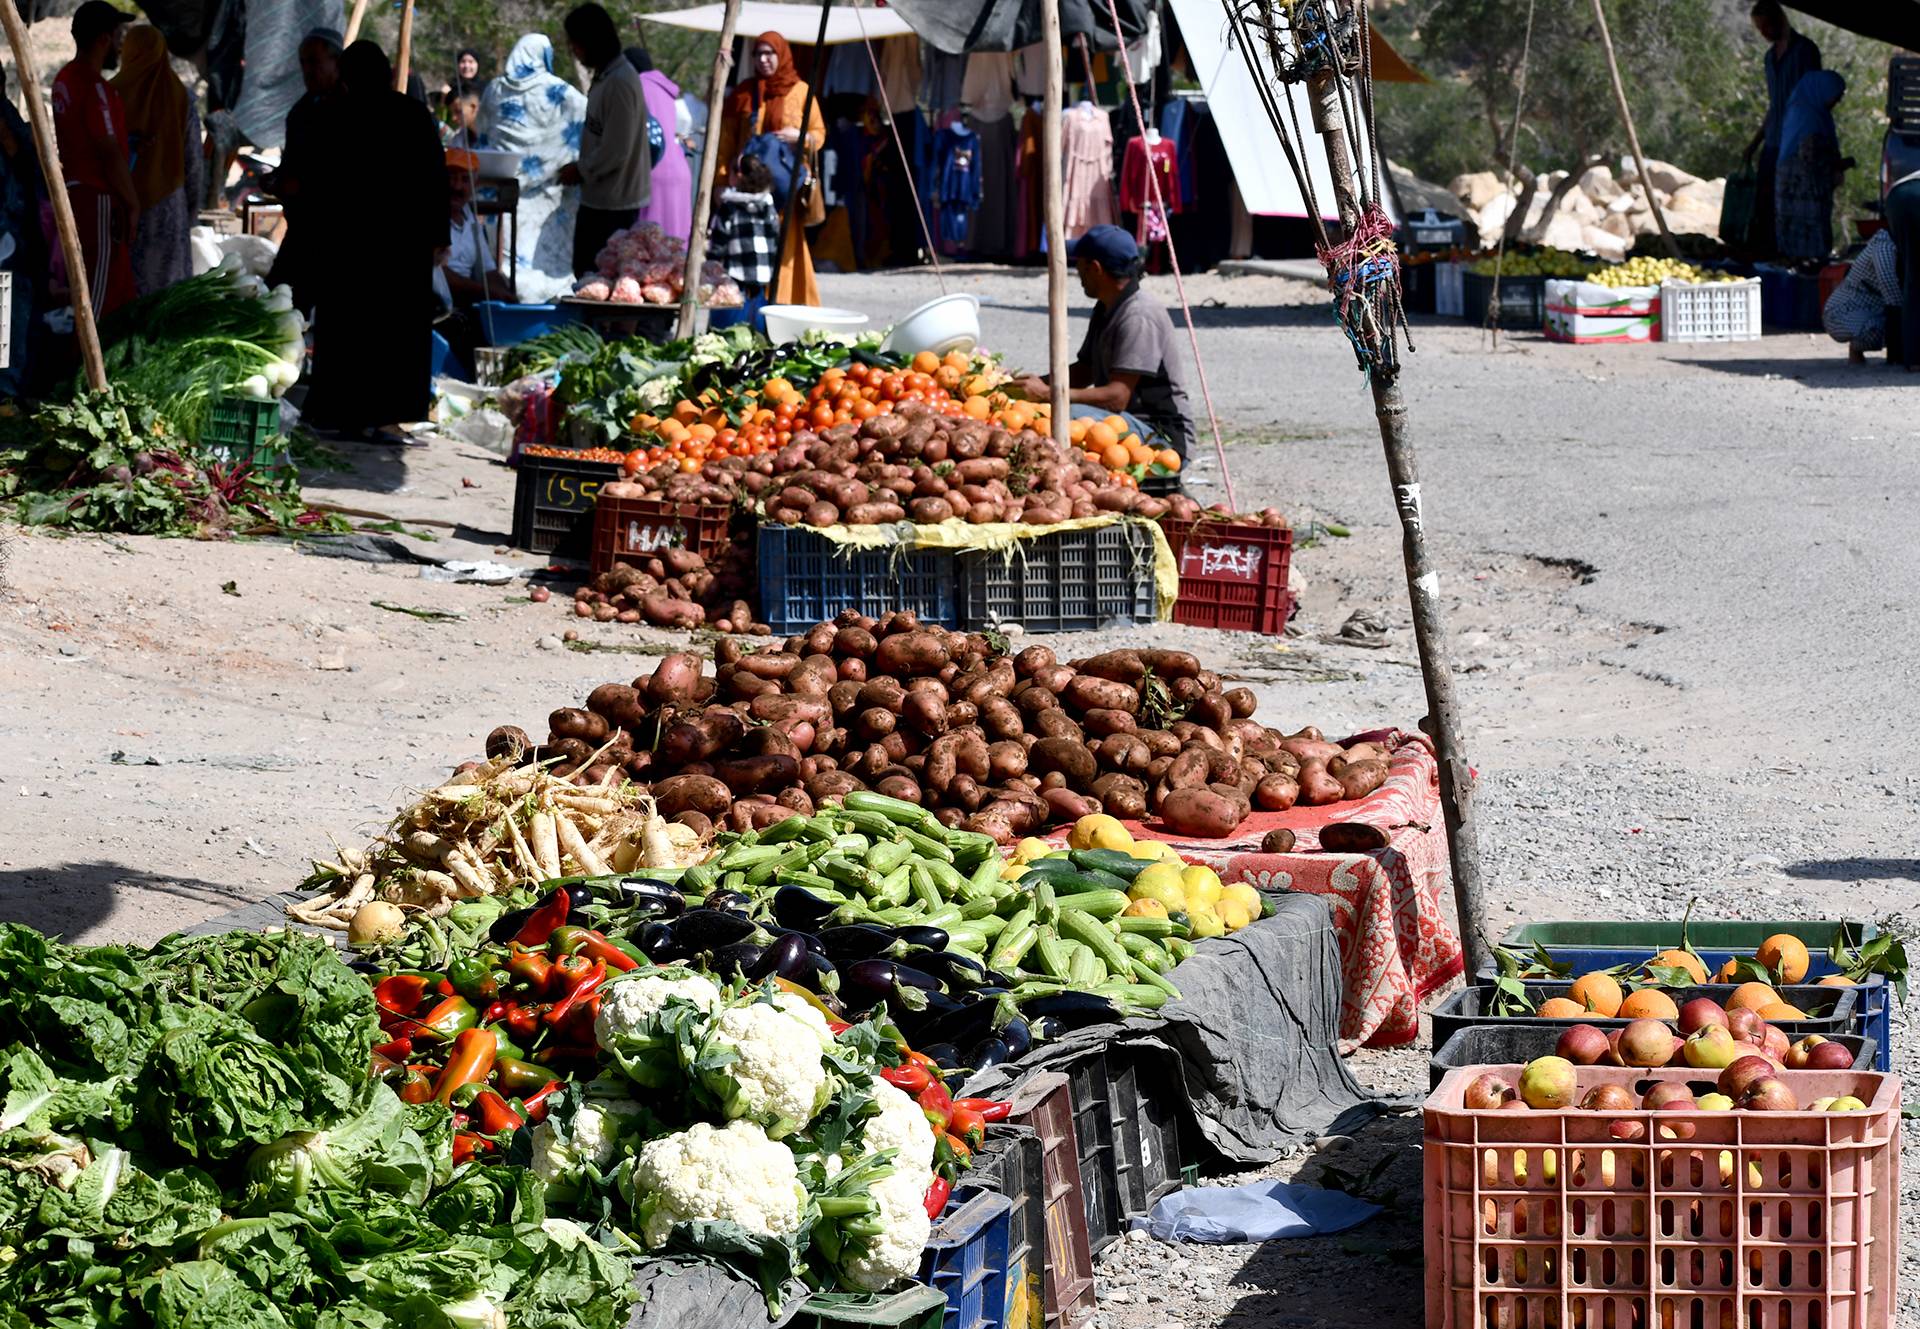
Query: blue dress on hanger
{"type": "Point", "coordinates": [956, 149]}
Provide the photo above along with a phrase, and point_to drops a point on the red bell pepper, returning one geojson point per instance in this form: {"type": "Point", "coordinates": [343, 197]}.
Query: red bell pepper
{"type": "Point", "coordinates": [935, 1098]}
{"type": "Point", "coordinates": [594, 945]}
{"type": "Point", "coordinates": [567, 973]}
{"type": "Point", "coordinates": [398, 1050]}
{"type": "Point", "coordinates": [968, 1124]}
{"type": "Point", "coordinates": [937, 1195]}
{"type": "Point", "coordinates": [402, 994]}
{"type": "Point", "coordinates": [535, 1104]}
{"type": "Point", "coordinates": [531, 968]}
{"type": "Point", "coordinates": [961, 1150]}
{"type": "Point", "coordinates": [496, 1010]}
{"type": "Point", "coordinates": [452, 1016]}
{"type": "Point", "coordinates": [837, 1027]}
{"type": "Point", "coordinates": [541, 922]}
{"type": "Point", "coordinates": [418, 1086]}
{"type": "Point", "coordinates": [446, 988]}
{"type": "Point", "coordinates": [467, 1145]}
{"type": "Point", "coordinates": [470, 1062]}
{"type": "Point", "coordinates": [913, 1079]}
{"type": "Point", "coordinates": [489, 1110]}
{"type": "Point", "coordinates": [523, 1022]}
{"type": "Point", "coordinates": [988, 1108]}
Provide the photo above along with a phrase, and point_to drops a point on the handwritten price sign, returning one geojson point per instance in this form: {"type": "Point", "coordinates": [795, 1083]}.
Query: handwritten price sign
{"type": "Point", "coordinates": [1213, 561]}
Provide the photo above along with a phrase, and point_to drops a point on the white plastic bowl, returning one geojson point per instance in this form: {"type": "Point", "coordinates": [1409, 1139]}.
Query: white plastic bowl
{"type": "Point", "coordinates": [496, 165]}
{"type": "Point", "coordinates": [950, 323]}
{"type": "Point", "coordinates": [787, 323]}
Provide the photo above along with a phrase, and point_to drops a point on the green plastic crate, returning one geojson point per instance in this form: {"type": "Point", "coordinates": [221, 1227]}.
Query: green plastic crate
{"type": "Point", "coordinates": [915, 1307]}
{"type": "Point", "coordinates": [246, 429]}
{"type": "Point", "coordinates": [1705, 935]}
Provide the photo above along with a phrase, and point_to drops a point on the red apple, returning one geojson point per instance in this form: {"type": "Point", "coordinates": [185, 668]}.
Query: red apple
{"type": "Point", "coordinates": [1608, 1098]}
{"type": "Point", "coordinates": [1769, 1094]}
{"type": "Point", "coordinates": [1514, 1104]}
{"type": "Point", "coordinates": [1701, 1012]}
{"type": "Point", "coordinates": [1830, 1056]}
{"type": "Point", "coordinates": [1647, 1043]}
{"type": "Point", "coordinates": [1774, 1043]}
{"type": "Point", "coordinates": [1583, 1045]}
{"type": "Point", "coordinates": [1667, 1091]}
{"type": "Point", "coordinates": [1797, 1054]}
{"type": "Point", "coordinates": [1734, 1079]}
{"type": "Point", "coordinates": [1613, 1049]}
{"type": "Point", "coordinates": [1627, 1130]}
{"type": "Point", "coordinates": [1484, 1092]}
{"type": "Point", "coordinates": [1744, 1025]}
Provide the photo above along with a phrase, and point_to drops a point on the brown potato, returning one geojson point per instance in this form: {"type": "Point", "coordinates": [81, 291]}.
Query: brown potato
{"type": "Point", "coordinates": [1201, 813]}
{"type": "Point", "coordinates": [1066, 755]}
{"type": "Point", "coordinates": [1276, 793]}
{"type": "Point", "coordinates": [572, 722]}
{"type": "Point", "coordinates": [1318, 788]}
{"type": "Point", "coordinates": [695, 793]}
{"type": "Point", "coordinates": [1353, 837]}
{"type": "Point", "coordinates": [1279, 840]}
{"type": "Point", "coordinates": [1360, 778]}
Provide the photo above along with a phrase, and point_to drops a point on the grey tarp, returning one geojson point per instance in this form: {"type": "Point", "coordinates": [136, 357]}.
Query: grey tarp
{"type": "Point", "coordinates": [272, 83]}
{"type": "Point", "coordinates": [960, 26]}
{"type": "Point", "coordinates": [691, 1294]}
{"type": "Point", "coordinates": [1252, 1038]}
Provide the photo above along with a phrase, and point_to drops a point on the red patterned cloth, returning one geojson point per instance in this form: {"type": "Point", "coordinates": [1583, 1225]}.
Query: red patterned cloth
{"type": "Point", "coordinates": [1397, 947]}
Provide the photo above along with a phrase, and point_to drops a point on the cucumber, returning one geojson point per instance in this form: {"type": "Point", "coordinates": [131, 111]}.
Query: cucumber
{"type": "Point", "coordinates": [1099, 904]}
{"type": "Point", "coordinates": [1112, 860]}
{"type": "Point", "coordinates": [1076, 883]}
{"type": "Point", "coordinates": [1146, 926]}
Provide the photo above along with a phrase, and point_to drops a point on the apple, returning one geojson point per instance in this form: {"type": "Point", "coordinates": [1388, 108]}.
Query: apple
{"type": "Point", "coordinates": [1846, 1103]}
{"type": "Point", "coordinates": [1515, 1104]}
{"type": "Point", "coordinates": [1608, 1098]}
{"type": "Point", "coordinates": [1646, 1043]}
{"type": "Point", "coordinates": [1797, 1054]}
{"type": "Point", "coordinates": [1667, 1091]}
{"type": "Point", "coordinates": [1774, 1043]}
{"type": "Point", "coordinates": [1583, 1045]}
{"type": "Point", "coordinates": [1701, 1012]}
{"type": "Point", "coordinates": [1830, 1056]}
{"type": "Point", "coordinates": [1822, 1104]}
{"type": "Point", "coordinates": [1769, 1094]}
{"type": "Point", "coordinates": [1627, 1130]}
{"type": "Point", "coordinates": [1548, 1083]}
{"type": "Point", "coordinates": [1715, 1103]}
{"type": "Point", "coordinates": [1743, 1072]}
{"type": "Point", "coordinates": [1710, 1048]}
{"type": "Point", "coordinates": [1744, 1025]}
{"type": "Point", "coordinates": [1613, 1049]}
{"type": "Point", "coordinates": [1484, 1092]}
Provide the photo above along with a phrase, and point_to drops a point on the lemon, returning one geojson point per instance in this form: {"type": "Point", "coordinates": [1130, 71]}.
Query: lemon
{"type": "Point", "coordinates": [1160, 882]}
{"type": "Point", "coordinates": [1242, 894]}
{"type": "Point", "coordinates": [1156, 850]}
{"type": "Point", "coordinates": [1099, 831]}
{"type": "Point", "coordinates": [1013, 871]}
{"type": "Point", "coordinates": [1234, 914]}
{"type": "Point", "coordinates": [1029, 849]}
{"type": "Point", "coordinates": [1202, 884]}
{"type": "Point", "coordinates": [1203, 922]}
{"type": "Point", "coordinates": [1146, 907]}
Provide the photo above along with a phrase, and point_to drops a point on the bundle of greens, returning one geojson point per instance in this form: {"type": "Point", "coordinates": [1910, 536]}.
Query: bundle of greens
{"type": "Point", "coordinates": [536, 355]}
{"type": "Point", "coordinates": [188, 1137]}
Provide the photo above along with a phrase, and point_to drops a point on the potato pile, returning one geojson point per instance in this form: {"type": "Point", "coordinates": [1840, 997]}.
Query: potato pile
{"type": "Point", "coordinates": [914, 464]}
{"type": "Point", "coordinates": [998, 743]}
{"type": "Point", "coordinates": [672, 589]}
{"type": "Point", "coordinates": [1182, 508]}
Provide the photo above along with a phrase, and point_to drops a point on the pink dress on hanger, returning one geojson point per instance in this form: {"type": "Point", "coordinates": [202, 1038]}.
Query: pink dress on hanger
{"type": "Point", "coordinates": [1087, 162]}
{"type": "Point", "coordinates": [1136, 193]}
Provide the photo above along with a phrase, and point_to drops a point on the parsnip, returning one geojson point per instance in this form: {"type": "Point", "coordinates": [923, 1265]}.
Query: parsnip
{"type": "Point", "coordinates": [571, 841]}
{"type": "Point", "coordinates": [544, 837]}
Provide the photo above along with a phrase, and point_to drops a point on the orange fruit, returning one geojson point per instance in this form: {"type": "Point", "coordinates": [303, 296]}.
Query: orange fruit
{"type": "Point", "coordinates": [925, 362]}
{"type": "Point", "coordinates": [1780, 1010]}
{"type": "Point", "coordinates": [686, 412]}
{"type": "Point", "coordinates": [1559, 1008]}
{"type": "Point", "coordinates": [1835, 981]}
{"type": "Point", "coordinates": [1114, 455]}
{"type": "Point", "coordinates": [1101, 435]}
{"type": "Point", "coordinates": [1786, 955]}
{"type": "Point", "coordinates": [956, 360]}
{"type": "Point", "coordinates": [1138, 453]}
{"type": "Point", "coordinates": [1752, 997]}
{"type": "Point", "coordinates": [1118, 424]}
{"type": "Point", "coordinates": [979, 407]}
{"type": "Point", "coordinates": [1648, 1004]}
{"type": "Point", "coordinates": [1597, 992]}
{"type": "Point", "coordinates": [1168, 458]}
{"type": "Point", "coordinates": [1677, 959]}
{"type": "Point", "coordinates": [1727, 973]}
{"type": "Point", "coordinates": [1077, 430]}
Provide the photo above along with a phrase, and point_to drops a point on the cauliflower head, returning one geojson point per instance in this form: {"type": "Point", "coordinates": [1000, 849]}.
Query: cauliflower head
{"type": "Point", "coordinates": [900, 1124]}
{"type": "Point", "coordinates": [894, 1255]}
{"type": "Point", "coordinates": [627, 1004]}
{"type": "Point", "coordinates": [730, 1173]}
{"type": "Point", "coordinates": [777, 1079]}
{"type": "Point", "coordinates": [806, 1013]}
{"type": "Point", "coordinates": [590, 1138]}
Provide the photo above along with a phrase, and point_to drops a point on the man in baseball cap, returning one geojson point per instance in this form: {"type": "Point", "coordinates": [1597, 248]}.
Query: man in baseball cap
{"type": "Point", "coordinates": [90, 128]}
{"type": "Point", "coordinates": [1129, 363]}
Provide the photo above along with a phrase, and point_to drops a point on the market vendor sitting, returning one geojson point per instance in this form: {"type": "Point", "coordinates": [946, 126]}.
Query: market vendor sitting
{"type": "Point", "coordinates": [1127, 365]}
{"type": "Point", "coordinates": [467, 272]}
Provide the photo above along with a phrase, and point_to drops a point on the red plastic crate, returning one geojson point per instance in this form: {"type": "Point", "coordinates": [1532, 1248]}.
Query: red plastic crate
{"type": "Point", "coordinates": [1044, 1103]}
{"type": "Point", "coordinates": [1233, 575]}
{"type": "Point", "coordinates": [1764, 1220]}
{"type": "Point", "coordinates": [636, 528]}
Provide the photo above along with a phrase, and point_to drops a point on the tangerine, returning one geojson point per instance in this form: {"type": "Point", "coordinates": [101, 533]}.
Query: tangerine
{"type": "Point", "coordinates": [1835, 981]}
{"type": "Point", "coordinates": [1102, 435]}
{"type": "Point", "coordinates": [1597, 992]}
{"type": "Point", "coordinates": [1781, 1010]}
{"type": "Point", "coordinates": [1648, 1004]}
{"type": "Point", "coordinates": [1138, 453]}
{"type": "Point", "coordinates": [1168, 458]}
{"type": "Point", "coordinates": [979, 407]}
{"type": "Point", "coordinates": [1678, 959]}
{"type": "Point", "coordinates": [1560, 1008]}
{"type": "Point", "coordinates": [1114, 455]}
{"type": "Point", "coordinates": [1786, 955]}
{"type": "Point", "coordinates": [1752, 997]}
{"type": "Point", "coordinates": [1118, 424]}
{"type": "Point", "coordinates": [686, 412]}
{"type": "Point", "coordinates": [1077, 429]}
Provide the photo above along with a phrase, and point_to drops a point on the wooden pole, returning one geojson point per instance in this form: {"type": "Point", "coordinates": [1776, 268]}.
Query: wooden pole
{"type": "Point", "coordinates": [709, 164]}
{"type": "Point", "coordinates": [1633, 138]}
{"type": "Point", "coordinates": [1423, 578]}
{"type": "Point", "coordinates": [1056, 220]}
{"type": "Point", "coordinates": [43, 141]}
{"type": "Point", "coordinates": [405, 58]}
{"type": "Point", "coordinates": [354, 20]}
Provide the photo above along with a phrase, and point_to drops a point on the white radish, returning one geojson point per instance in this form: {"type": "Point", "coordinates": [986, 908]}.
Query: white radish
{"type": "Point", "coordinates": [544, 837]}
{"type": "Point", "coordinates": [570, 840]}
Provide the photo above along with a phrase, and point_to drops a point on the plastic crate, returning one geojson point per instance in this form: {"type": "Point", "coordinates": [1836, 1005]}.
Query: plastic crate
{"type": "Point", "coordinates": [1585, 945]}
{"type": "Point", "coordinates": [1161, 486]}
{"type": "Point", "coordinates": [1044, 1104]}
{"type": "Point", "coordinates": [1009, 1162]}
{"type": "Point", "coordinates": [629, 528]}
{"type": "Point", "coordinates": [1129, 1143]}
{"type": "Point", "coordinates": [1523, 301]}
{"type": "Point", "coordinates": [1470, 1006]}
{"type": "Point", "coordinates": [504, 324]}
{"type": "Point", "coordinates": [1233, 575]}
{"type": "Point", "coordinates": [1767, 1219]}
{"type": "Point", "coordinates": [1788, 300]}
{"type": "Point", "coordinates": [1492, 1043]}
{"type": "Point", "coordinates": [1063, 581]}
{"type": "Point", "coordinates": [553, 502]}
{"type": "Point", "coordinates": [247, 429]}
{"type": "Point", "coordinates": [913, 1307]}
{"type": "Point", "coordinates": [806, 578]}
{"type": "Point", "coordinates": [966, 1259]}
{"type": "Point", "coordinates": [1710, 311]}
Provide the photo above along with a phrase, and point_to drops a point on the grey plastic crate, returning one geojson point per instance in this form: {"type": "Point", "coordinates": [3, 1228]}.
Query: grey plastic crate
{"type": "Point", "coordinates": [1498, 1045]}
{"type": "Point", "coordinates": [1129, 1141]}
{"type": "Point", "coordinates": [1063, 581]}
{"type": "Point", "coordinates": [1472, 1006]}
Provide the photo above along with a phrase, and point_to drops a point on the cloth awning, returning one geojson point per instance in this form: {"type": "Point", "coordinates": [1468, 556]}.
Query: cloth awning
{"type": "Point", "coordinates": [798, 23]}
{"type": "Point", "coordinates": [960, 27]}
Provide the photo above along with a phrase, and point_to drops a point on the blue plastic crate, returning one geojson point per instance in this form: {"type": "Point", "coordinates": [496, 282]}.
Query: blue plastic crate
{"type": "Point", "coordinates": [502, 324]}
{"type": "Point", "coordinates": [806, 578]}
{"type": "Point", "coordinates": [966, 1259]}
{"type": "Point", "coordinates": [1873, 1016]}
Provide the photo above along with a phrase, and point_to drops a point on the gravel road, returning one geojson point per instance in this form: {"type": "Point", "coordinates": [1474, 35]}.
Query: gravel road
{"type": "Point", "coordinates": [1680, 586]}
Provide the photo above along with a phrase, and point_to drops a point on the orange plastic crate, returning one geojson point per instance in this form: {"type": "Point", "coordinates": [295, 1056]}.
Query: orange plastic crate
{"type": "Point", "coordinates": [1761, 1220]}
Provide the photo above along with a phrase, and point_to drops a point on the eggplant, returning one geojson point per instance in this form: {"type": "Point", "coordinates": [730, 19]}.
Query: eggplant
{"type": "Point", "coordinates": [708, 929]}
{"type": "Point", "coordinates": [659, 942]}
{"type": "Point", "coordinates": [883, 977]}
{"type": "Point", "coordinates": [366, 967]}
{"type": "Point", "coordinates": [799, 908]}
{"type": "Point", "coordinates": [963, 1026]}
{"type": "Point", "coordinates": [856, 941]}
{"type": "Point", "coordinates": [1045, 1028]}
{"type": "Point", "coordinates": [785, 958]}
{"type": "Point", "coordinates": [1018, 1038]}
{"type": "Point", "coordinates": [988, 1052]}
{"type": "Point", "coordinates": [954, 968]}
{"type": "Point", "coordinates": [508, 924]}
{"type": "Point", "coordinates": [644, 897]}
{"type": "Point", "coordinates": [925, 938]}
{"type": "Point", "coordinates": [812, 942]}
{"type": "Point", "coordinates": [818, 974]}
{"type": "Point", "coordinates": [731, 902]}
{"type": "Point", "coordinates": [739, 958]}
{"type": "Point", "coordinates": [579, 894]}
{"type": "Point", "coordinates": [1073, 1010]}
{"type": "Point", "coordinates": [944, 1055]}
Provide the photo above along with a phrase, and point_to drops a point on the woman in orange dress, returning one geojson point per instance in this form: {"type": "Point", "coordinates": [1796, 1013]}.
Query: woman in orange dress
{"type": "Point", "coordinates": [772, 101]}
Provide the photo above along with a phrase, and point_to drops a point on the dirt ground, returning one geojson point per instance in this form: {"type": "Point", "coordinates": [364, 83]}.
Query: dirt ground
{"type": "Point", "coordinates": [1680, 581]}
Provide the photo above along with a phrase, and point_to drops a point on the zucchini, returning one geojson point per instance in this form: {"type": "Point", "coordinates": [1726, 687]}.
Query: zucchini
{"type": "Point", "coordinates": [1147, 951]}
{"type": "Point", "coordinates": [1143, 973]}
{"type": "Point", "coordinates": [1084, 969]}
{"type": "Point", "coordinates": [1044, 906]}
{"type": "Point", "coordinates": [1054, 958]}
{"type": "Point", "coordinates": [1112, 860]}
{"type": "Point", "coordinates": [1100, 904]}
{"type": "Point", "coordinates": [1091, 932]}
{"type": "Point", "coordinates": [1146, 926]}
{"type": "Point", "coordinates": [1143, 995]}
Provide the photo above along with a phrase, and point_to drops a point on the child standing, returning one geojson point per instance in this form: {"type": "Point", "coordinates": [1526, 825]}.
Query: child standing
{"type": "Point", "coordinates": [744, 237]}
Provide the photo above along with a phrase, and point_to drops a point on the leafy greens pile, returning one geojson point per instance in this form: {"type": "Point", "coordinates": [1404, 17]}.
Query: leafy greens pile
{"type": "Point", "coordinates": [189, 1139]}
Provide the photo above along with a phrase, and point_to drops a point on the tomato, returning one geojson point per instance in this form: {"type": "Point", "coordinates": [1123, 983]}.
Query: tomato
{"type": "Point", "coordinates": [633, 461]}
{"type": "Point", "coordinates": [863, 410]}
{"type": "Point", "coordinates": [822, 416]}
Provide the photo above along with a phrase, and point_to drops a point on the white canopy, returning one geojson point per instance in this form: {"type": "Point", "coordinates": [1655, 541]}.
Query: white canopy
{"type": "Point", "coordinates": [799, 24]}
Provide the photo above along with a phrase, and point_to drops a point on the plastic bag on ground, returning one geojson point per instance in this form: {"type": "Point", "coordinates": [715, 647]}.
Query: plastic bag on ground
{"type": "Point", "coordinates": [1257, 1211]}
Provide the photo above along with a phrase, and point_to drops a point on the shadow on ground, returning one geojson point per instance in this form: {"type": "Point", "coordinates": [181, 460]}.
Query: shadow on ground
{"type": "Point", "coordinates": [69, 898]}
{"type": "Point", "coordinates": [1856, 869]}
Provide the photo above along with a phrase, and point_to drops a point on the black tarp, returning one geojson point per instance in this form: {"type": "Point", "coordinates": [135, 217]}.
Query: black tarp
{"type": "Point", "coordinates": [1894, 21]}
{"type": "Point", "coordinates": [960, 26]}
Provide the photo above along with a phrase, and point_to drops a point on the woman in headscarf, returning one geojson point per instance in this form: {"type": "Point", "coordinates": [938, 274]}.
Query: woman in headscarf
{"type": "Point", "coordinates": [380, 200]}
{"type": "Point", "coordinates": [1809, 168]}
{"type": "Point", "coordinates": [319, 53]}
{"type": "Point", "coordinates": [529, 111]}
{"type": "Point", "coordinates": [772, 102]}
{"type": "Point", "coordinates": [670, 206]}
{"type": "Point", "coordinates": [164, 134]}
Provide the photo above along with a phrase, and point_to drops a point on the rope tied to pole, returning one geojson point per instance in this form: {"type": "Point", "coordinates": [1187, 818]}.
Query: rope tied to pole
{"type": "Point", "coordinates": [1364, 273]}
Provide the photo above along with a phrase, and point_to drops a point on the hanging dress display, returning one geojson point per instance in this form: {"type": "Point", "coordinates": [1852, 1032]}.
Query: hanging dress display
{"type": "Point", "coordinates": [1087, 161]}
{"type": "Point", "coordinates": [1149, 159]}
{"type": "Point", "coordinates": [956, 150]}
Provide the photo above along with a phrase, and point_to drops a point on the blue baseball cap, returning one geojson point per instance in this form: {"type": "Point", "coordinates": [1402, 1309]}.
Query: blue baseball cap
{"type": "Point", "coordinates": [1109, 246]}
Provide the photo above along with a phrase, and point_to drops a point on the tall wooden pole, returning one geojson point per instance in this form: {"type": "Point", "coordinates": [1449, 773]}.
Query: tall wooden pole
{"type": "Point", "coordinates": [354, 21]}
{"type": "Point", "coordinates": [405, 58]}
{"type": "Point", "coordinates": [1633, 138]}
{"type": "Point", "coordinates": [1423, 578]}
{"type": "Point", "coordinates": [709, 164]}
{"type": "Point", "coordinates": [1056, 219]}
{"type": "Point", "coordinates": [43, 141]}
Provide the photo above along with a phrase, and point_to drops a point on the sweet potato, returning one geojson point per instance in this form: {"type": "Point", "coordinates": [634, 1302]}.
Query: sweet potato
{"type": "Point", "coordinates": [1276, 793]}
{"type": "Point", "coordinates": [1088, 693]}
{"type": "Point", "coordinates": [1100, 722]}
{"type": "Point", "coordinates": [753, 775]}
{"type": "Point", "coordinates": [1005, 760]}
{"type": "Point", "coordinates": [572, 722]}
{"type": "Point", "coordinates": [1066, 755]}
{"type": "Point", "coordinates": [696, 793]}
{"type": "Point", "coordinates": [1353, 837]}
{"type": "Point", "coordinates": [1121, 795]}
{"type": "Point", "coordinates": [1200, 813]}
{"type": "Point", "coordinates": [1317, 788]}
{"type": "Point", "coordinates": [911, 653]}
{"type": "Point", "coordinates": [925, 711]}
{"type": "Point", "coordinates": [1360, 778]}
{"type": "Point", "coordinates": [665, 613]}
